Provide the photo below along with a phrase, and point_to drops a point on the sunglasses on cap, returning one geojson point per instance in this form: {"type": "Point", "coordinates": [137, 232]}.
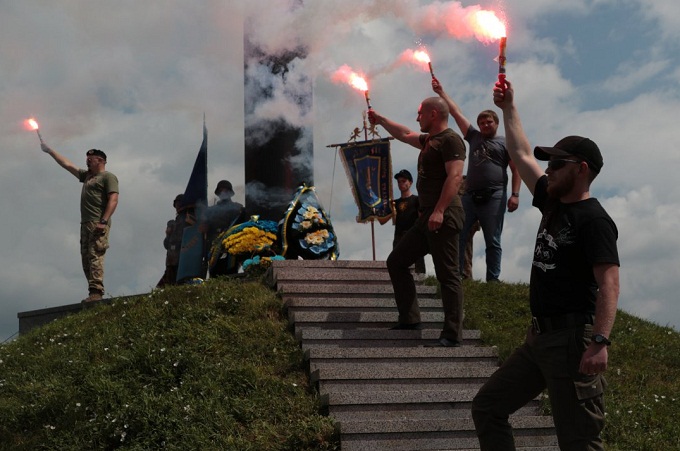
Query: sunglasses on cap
{"type": "Point", "coordinates": [560, 163]}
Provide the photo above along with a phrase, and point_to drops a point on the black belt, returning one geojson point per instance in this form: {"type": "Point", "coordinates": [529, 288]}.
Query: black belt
{"type": "Point", "coordinates": [543, 324]}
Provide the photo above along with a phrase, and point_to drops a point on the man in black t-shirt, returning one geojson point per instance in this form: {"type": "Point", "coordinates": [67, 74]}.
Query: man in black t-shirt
{"type": "Point", "coordinates": [574, 291]}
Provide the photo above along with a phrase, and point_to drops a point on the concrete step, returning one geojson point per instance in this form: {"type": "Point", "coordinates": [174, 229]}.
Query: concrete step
{"type": "Point", "coordinates": [464, 354]}
{"type": "Point", "coordinates": [415, 411]}
{"type": "Point", "coordinates": [356, 320]}
{"type": "Point", "coordinates": [356, 304]}
{"type": "Point", "coordinates": [357, 289]}
{"type": "Point", "coordinates": [401, 371]}
{"type": "Point", "coordinates": [375, 338]}
{"type": "Point", "coordinates": [383, 377]}
{"type": "Point", "coordinates": [319, 276]}
{"type": "Point", "coordinates": [385, 390]}
{"type": "Point", "coordinates": [531, 433]}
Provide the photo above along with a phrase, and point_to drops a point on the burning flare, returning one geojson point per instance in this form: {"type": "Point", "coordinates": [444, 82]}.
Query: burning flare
{"type": "Point", "coordinates": [487, 26]}
{"type": "Point", "coordinates": [346, 75]}
{"type": "Point", "coordinates": [418, 57]}
{"type": "Point", "coordinates": [32, 124]}
{"type": "Point", "coordinates": [421, 56]}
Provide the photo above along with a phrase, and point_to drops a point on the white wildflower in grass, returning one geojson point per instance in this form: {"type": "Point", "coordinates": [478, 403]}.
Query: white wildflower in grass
{"type": "Point", "coordinates": [162, 349]}
{"type": "Point", "coordinates": [106, 349]}
{"type": "Point", "coordinates": [166, 302]}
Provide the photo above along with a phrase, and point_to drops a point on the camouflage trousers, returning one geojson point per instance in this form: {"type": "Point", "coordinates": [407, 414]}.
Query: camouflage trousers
{"type": "Point", "coordinates": [93, 245]}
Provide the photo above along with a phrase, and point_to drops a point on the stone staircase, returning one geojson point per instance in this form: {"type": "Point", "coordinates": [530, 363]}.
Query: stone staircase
{"type": "Point", "coordinates": [384, 389]}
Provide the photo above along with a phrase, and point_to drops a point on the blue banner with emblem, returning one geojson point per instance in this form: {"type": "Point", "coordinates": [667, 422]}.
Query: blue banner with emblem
{"type": "Point", "coordinates": [368, 165]}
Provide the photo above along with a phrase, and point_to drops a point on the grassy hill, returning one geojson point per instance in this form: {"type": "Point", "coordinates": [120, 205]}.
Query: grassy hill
{"type": "Point", "coordinates": [215, 366]}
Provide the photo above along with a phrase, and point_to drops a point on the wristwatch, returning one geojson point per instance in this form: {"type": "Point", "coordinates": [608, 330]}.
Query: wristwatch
{"type": "Point", "coordinates": [103, 221]}
{"type": "Point", "coordinates": [515, 194]}
{"type": "Point", "coordinates": [600, 339]}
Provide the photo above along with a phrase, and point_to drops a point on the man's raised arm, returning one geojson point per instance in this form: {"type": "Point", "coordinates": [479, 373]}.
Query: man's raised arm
{"type": "Point", "coordinates": [62, 160]}
{"type": "Point", "coordinates": [398, 131]}
{"type": "Point", "coordinates": [462, 122]}
{"type": "Point", "coordinates": [516, 140]}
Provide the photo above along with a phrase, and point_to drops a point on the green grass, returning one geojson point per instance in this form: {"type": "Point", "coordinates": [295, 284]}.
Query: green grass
{"type": "Point", "coordinates": [195, 367]}
{"type": "Point", "coordinates": [215, 366]}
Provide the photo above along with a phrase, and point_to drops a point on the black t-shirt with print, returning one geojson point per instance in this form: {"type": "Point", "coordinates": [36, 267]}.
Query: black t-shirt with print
{"type": "Point", "coordinates": [407, 213]}
{"type": "Point", "coordinates": [571, 239]}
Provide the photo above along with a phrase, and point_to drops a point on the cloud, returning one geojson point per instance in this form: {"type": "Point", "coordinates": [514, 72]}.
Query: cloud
{"type": "Point", "coordinates": [134, 78]}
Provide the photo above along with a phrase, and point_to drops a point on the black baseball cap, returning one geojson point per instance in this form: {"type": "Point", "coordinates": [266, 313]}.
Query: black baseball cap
{"type": "Point", "coordinates": [404, 174]}
{"type": "Point", "coordinates": [96, 153]}
{"type": "Point", "coordinates": [576, 146]}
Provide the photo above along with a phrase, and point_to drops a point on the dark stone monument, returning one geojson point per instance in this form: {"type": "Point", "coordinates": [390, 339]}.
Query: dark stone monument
{"type": "Point", "coordinates": [278, 149]}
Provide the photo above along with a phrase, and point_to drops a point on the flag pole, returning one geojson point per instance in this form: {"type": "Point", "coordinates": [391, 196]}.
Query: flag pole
{"type": "Point", "coordinates": [372, 217]}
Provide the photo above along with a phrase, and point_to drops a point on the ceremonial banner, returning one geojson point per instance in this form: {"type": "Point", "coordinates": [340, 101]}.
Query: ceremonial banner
{"type": "Point", "coordinates": [369, 170]}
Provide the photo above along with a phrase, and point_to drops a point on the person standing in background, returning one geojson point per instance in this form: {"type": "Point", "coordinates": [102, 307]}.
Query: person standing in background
{"type": "Point", "coordinates": [486, 182]}
{"type": "Point", "coordinates": [405, 213]}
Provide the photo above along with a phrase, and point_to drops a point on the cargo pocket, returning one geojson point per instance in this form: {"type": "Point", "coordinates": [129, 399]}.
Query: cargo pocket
{"type": "Point", "coordinates": [101, 243]}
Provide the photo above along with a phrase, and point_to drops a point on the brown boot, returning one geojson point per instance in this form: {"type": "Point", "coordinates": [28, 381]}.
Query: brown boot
{"type": "Point", "coordinates": [93, 297]}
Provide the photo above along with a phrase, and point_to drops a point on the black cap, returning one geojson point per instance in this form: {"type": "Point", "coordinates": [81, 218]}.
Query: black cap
{"type": "Point", "coordinates": [404, 174]}
{"type": "Point", "coordinates": [96, 153]}
{"type": "Point", "coordinates": [224, 185]}
{"type": "Point", "coordinates": [576, 146]}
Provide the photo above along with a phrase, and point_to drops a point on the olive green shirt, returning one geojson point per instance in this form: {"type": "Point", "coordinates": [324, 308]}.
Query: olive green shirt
{"type": "Point", "coordinates": [437, 150]}
{"type": "Point", "coordinates": [95, 194]}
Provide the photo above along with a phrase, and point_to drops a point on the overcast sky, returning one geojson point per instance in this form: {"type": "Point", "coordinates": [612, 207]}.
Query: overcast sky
{"type": "Point", "coordinates": [133, 78]}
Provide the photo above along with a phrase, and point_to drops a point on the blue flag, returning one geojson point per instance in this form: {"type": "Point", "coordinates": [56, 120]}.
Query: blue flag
{"type": "Point", "coordinates": [192, 263]}
{"type": "Point", "coordinates": [197, 188]}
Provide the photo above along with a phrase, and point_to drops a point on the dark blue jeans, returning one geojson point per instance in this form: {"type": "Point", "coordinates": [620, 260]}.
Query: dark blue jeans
{"type": "Point", "coordinates": [490, 215]}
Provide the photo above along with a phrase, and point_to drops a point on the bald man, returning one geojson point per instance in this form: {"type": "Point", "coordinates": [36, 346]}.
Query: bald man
{"type": "Point", "coordinates": [436, 232]}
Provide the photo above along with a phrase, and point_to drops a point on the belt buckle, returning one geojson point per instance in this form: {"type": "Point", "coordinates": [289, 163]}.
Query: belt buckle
{"type": "Point", "coordinates": [534, 323]}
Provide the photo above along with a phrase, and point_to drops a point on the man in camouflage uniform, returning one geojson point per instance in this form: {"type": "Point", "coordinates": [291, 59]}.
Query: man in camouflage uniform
{"type": "Point", "coordinates": [98, 201]}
